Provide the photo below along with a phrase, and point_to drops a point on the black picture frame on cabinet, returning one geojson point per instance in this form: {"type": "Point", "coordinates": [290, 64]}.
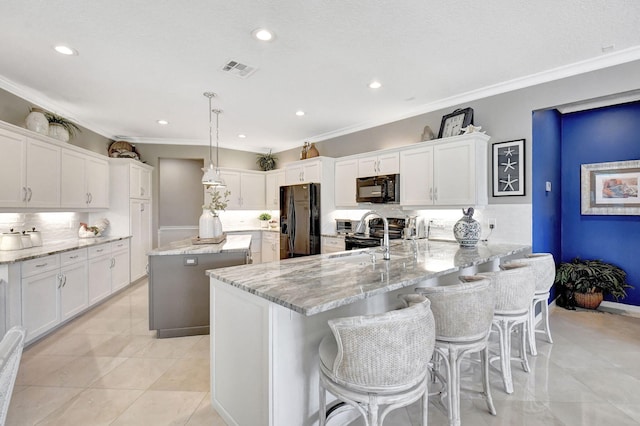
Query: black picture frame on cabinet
{"type": "Point", "coordinates": [508, 168]}
{"type": "Point", "coordinates": [452, 124]}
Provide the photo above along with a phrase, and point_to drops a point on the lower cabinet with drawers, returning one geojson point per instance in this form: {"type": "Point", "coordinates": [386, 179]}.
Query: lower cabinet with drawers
{"type": "Point", "coordinates": [58, 287]}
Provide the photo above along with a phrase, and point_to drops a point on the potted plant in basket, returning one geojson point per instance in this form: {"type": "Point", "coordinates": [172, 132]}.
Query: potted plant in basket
{"type": "Point", "coordinates": [590, 280]}
{"type": "Point", "coordinates": [266, 162]}
{"type": "Point", "coordinates": [264, 220]}
{"type": "Point", "coordinates": [61, 128]}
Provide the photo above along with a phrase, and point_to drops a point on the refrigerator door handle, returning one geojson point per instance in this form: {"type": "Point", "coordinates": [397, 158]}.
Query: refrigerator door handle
{"type": "Point", "coordinates": [292, 223]}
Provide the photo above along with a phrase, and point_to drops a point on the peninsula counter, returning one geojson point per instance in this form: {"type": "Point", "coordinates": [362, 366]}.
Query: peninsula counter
{"type": "Point", "coordinates": [268, 319]}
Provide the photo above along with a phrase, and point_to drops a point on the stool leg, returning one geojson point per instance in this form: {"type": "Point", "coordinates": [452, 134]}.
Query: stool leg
{"type": "Point", "coordinates": [545, 318]}
{"type": "Point", "coordinates": [523, 347]}
{"type": "Point", "coordinates": [504, 332]}
{"type": "Point", "coordinates": [322, 407]}
{"type": "Point", "coordinates": [372, 411]}
{"type": "Point", "coordinates": [484, 357]}
{"type": "Point", "coordinates": [532, 328]}
{"type": "Point", "coordinates": [425, 406]}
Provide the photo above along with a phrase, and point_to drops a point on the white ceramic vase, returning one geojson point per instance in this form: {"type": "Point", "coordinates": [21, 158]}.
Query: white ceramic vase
{"type": "Point", "coordinates": [56, 131]}
{"type": "Point", "coordinates": [206, 224]}
{"type": "Point", "coordinates": [37, 122]}
{"type": "Point", "coordinates": [217, 227]}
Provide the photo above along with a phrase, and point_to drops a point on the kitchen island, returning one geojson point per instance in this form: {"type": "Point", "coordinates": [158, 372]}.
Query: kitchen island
{"type": "Point", "coordinates": [179, 287]}
{"type": "Point", "coordinates": [269, 319]}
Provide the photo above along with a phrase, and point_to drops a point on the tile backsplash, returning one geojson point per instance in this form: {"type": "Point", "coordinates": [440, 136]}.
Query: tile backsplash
{"type": "Point", "coordinates": [55, 226]}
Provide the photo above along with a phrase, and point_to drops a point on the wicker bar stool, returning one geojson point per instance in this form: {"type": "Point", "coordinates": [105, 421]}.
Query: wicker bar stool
{"type": "Point", "coordinates": [378, 360]}
{"type": "Point", "coordinates": [514, 288]}
{"type": "Point", "coordinates": [544, 269]}
{"type": "Point", "coordinates": [10, 353]}
{"type": "Point", "coordinates": [463, 314]}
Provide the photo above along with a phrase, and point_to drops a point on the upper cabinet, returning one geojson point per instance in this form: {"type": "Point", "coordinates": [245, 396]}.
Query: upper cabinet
{"type": "Point", "coordinates": [247, 189]}
{"type": "Point", "coordinates": [29, 172]}
{"type": "Point", "coordinates": [274, 180]}
{"type": "Point", "coordinates": [84, 180]}
{"type": "Point", "coordinates": [445, 172]}
{"type": "Point", "coordinates": [346, 173]}
{"type": "Point", "coordinates": [139, 182]}
{"type": "Point", "coordinates": [304, 171]}
{"type": "Point", "coordinates": [387, 163]}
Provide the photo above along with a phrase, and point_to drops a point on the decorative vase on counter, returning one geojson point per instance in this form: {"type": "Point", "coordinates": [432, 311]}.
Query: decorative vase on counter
{"type": "Point", "coordinates": [467, 229]}
{"type": "Point", "coordinates": [58, 131]}
{"type": "Point", "coordinates": [206, 224]}
{"type": "Point", "coordinates": [217, 226]}
{"type": "Point", "coordinates": [37, 122]}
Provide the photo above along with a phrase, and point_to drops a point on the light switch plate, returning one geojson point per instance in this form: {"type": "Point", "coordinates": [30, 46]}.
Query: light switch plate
{"type": "Point", "coordinates": [547, 186]}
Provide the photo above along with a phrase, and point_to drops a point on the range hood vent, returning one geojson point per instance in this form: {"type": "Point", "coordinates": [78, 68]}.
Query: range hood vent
{"type": "Point", "coordinates": [237, 69]}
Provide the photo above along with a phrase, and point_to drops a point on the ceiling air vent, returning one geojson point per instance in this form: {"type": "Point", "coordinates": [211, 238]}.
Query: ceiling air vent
{"type": "Point", "coordinates": [238, 69]}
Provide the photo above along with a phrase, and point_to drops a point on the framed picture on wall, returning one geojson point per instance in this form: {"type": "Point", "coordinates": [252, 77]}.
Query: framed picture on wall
{"type": "Point", "coordinates": [610, 188]}
{"type": "Point", "coordinates": [508, 168]}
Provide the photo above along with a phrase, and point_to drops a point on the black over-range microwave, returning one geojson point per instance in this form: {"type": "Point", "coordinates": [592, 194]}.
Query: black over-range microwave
{"type": "Point", "coordinates": [378, 189]}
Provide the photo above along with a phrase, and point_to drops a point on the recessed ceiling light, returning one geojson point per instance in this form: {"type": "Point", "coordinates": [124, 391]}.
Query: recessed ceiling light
{"type": "Point", "coordinates": [375, 85]}
{"type": "Point", "coordinates": [241, 136]}
{"type": "Point", "coordinates": [66, 50]}
{"type": "Point", "coordinates": [162, 122]}
{"type": "Point", "coordinates": [262, 34]}
{"type": "Point", "coordinates": [299, 113]}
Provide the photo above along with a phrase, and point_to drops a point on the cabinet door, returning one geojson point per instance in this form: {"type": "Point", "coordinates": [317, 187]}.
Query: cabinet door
{"type": "Point", "coordinates": [332, 244]}
{"type": "Point", "coordinates": [140, 237]}
{"type": "Point", "coordinates": [368, 166]}
{"type": "Point", "coordinates": [252, 187]}
{"type": "Point", "coordinates": [454, 174]}
{"type": "Point", "coordinates": [139, 182]}
{"type": "Point", "coordinates": [97, 173]}
{"type": "Point", "coordinates": [312, 172]}
{"type": "Point", "coordinates": [119, 270]}
{"type": "Point", "coordinates": [416, 177]}
{"type": "Point", "coordinates": [389, 163]}
{"type": "Point", "coordinates": [293, 175]}
{"type": "Point", "coordinates": [145, 183]}
{"type": "Point", "coordinates": [74, 290]}
{"type": "Point", "coordinates": [12, 169]}
{"type": "Point", "coordinates": [346, 173]}
{"type": "Point", "coordinates": [273, 183]}
{"type": "Point", "coordinates": [232, 180]}
{"type": "Point", "coordinates": [73, 186]}
{"type": "Point", "coordinates": [99, 277]}
{"type": "Point", "coordinates": [40, 303]}
{"type": "Point", "coordinates": [43, 174]}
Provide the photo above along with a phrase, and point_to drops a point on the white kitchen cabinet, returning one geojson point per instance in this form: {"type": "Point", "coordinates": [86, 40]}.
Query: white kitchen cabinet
{"type": "Point", "coordinates": [304, 171]}
{"type": "Point", "coordinates": [274, 180]}
{"type": "Point", "coordinates": [40, 295]}
{"type": "Point", "coordinates": [99, 273]}
{"type": "Point", "coordinates": [331, 244]}
{"type": "Point", "coordinates": [387, 163]}
{"type": "Point", "coordinates": [140, 228]}
{"type": "Point", "coordinates": [346, 172]}
{"type": "Point", "coordinates": [445, 172]}
{"type": "Point", "coordinates": [74, 287]}
{"type": "Point", "coordinates": [270, 246]}
{"type": "Point", "coordinates": [130, 212]}
{"type": "Point", "coordinates": [84, 181]}
{"type": "Point", "coordinates": [120, 268]}
{"type": "Point", "coordinates": [29, 172]}
{"type": "Point", "coordinates": [247, 189]}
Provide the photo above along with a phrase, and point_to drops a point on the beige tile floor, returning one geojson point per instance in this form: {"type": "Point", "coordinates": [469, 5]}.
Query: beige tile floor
{"type": "Point", "coordinates": [107, 368]}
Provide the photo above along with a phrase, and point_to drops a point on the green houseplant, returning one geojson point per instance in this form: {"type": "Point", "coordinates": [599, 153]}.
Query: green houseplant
{"type": "Point", "coordinates": [56, 120]}
{"type": "Point", "coordinates": [590, 280]}
{"type": "Point", "coordinates": [264, 219]}
{"type": "Point", "coordinates": [267, 161]}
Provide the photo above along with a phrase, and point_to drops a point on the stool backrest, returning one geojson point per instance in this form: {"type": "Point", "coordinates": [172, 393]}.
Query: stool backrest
{"type": "Point", "coordinates": [514, 288]}
{"type": "Point", "coordinates": [544, 269]}
{"type": "Point", "coordinates": [463, 312]}
{"type": "Point", "coordinates": [10, 353]}
{"type": "Point", "coordinates": [389, 350]}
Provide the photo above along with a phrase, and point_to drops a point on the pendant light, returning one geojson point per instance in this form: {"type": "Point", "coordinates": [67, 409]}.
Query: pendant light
{"type": "Point", "coordinates": [211, 176]}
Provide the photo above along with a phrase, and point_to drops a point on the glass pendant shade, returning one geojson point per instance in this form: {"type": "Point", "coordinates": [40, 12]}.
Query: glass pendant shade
{"type": "Point", "coordinates": [211, 176]}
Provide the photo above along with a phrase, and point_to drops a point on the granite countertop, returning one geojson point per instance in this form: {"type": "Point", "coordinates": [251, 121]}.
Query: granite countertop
{"type": "Point", "coordinates": [313, 284]}
{"type": "Point", "coordinates": [231, 244]}
{"type": "Point", "coordinates": [49, 248]}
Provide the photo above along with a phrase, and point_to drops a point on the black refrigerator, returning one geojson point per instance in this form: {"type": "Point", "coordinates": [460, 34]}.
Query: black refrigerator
{"type": "Point", "coordinates": [299, 220]}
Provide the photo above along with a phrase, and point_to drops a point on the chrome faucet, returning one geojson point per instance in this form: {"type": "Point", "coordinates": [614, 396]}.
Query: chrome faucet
{"type": "Point", "coordinates": [385, 241]}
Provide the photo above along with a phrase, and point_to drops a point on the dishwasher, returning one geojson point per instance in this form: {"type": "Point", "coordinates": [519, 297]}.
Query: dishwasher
{"type": "Point", "coordinates": [179, 291]}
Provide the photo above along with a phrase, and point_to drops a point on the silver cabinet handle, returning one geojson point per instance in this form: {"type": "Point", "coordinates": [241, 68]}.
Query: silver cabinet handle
{"type": "Point", "coordinates": [431, 193]}
{"type": "Point", "coordinates": [24, 194]}
{"type": "Point", "coordinates": [30, 194]}
{"type": "Point", "coordinates": [141, 207]}
{"type": "Point", "coordinates": [113, 263]}
{"type": "Point", "coordinates": [90, 198]}
{"type": "Point", "coordinates": [59, 278]}
{"type": "Point", "coordinates": [141, 191]}
{"type": "Point", "coordinates": [86, 198]}
{"type": "Point", "coordinates": [64, 282]}
{"type": "Point", "coordinates": [42, 265]}
{"type": "Point", "coordinates": [73, 257]}
{"type": "Point", "coordinates": [435, 194]}
{"type": "Point", "coordinates": [99, 250]}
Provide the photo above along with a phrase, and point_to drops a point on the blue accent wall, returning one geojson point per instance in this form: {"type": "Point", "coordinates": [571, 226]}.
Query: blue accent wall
{"type": "Point", "coordinates": [595, 136]}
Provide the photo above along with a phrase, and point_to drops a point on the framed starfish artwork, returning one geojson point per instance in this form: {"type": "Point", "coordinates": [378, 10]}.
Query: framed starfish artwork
{"type": "Point", "coordinates": [508, 168]}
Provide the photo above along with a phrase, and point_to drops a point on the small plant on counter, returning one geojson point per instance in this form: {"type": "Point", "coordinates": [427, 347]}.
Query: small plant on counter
{"type": "Point", "coordinates": [218, 201]}
{"type": "Point", "coordinates": [264, 216]}
{"type": "Point", "coordinates": [72, 128]}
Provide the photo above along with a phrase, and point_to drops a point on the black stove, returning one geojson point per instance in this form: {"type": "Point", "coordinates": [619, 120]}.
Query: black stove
{"type": "Point", "coordinates": [376, 233]}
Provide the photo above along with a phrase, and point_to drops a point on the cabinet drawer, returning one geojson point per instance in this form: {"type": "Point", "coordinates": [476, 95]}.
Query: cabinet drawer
{"type": "Point", "coordinates": [99, 250]}
{"type": "Point", "coordinates": [73, 256]}
{"type": "Point", "coordinates": [119, 245]}
{"type": "Point", "coordinates": [42, 264]}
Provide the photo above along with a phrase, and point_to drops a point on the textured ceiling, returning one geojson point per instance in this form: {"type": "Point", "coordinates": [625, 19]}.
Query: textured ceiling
{"type": "Point", "coordinates": [144, 60]}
